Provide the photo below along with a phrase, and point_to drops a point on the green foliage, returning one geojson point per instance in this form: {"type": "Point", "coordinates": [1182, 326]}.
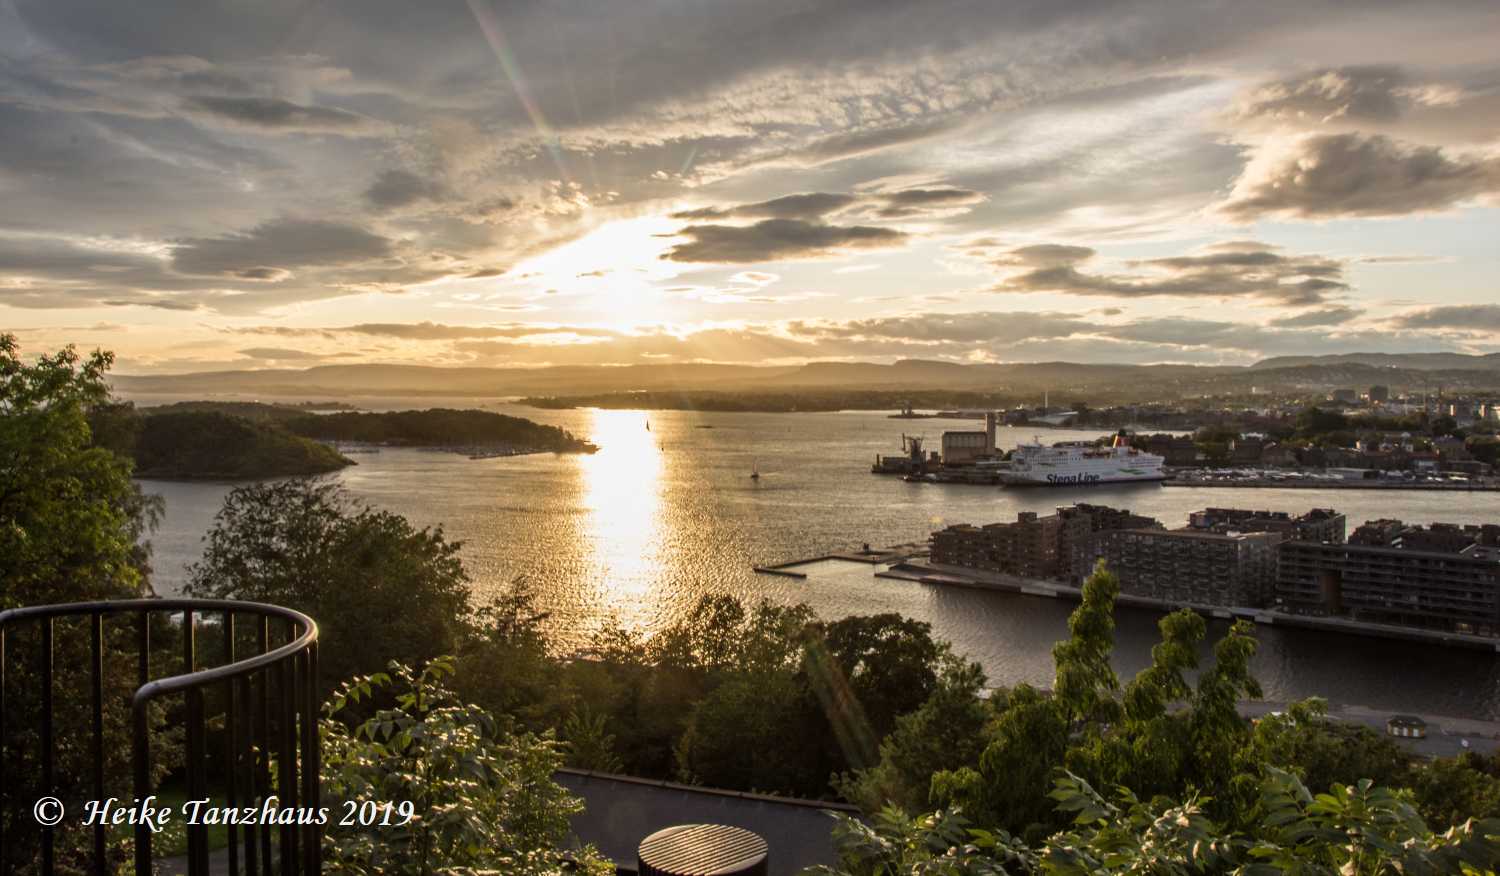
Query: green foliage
{"type": "Point", "coordinates": [590, 744]}
{"type": "Point", "coordinates": [1161, 735]}
{"type": "Point", "coordinates": [71, 519]}
{"type": "Point", "coordinates": [943, 733]}
{"type": "Point", "coordinates": [1322, 753]}
{"type": "Point", "coordinates": [1086, 683]}
{"type": "Point", "coordinates": [438, 427]}
{"type": "Point", "coordinates": [212, 444]}
{"type": "Point", "coordinates": [1449, 791]}
{"type": "Point", "coordinates": [379, 588]}
{"type": "Point", "coordinates": [71, 529]}
{"type": "Point", "coordinates": [483, 794]}
{"type": "Point", "coordinates": [1360, 830]}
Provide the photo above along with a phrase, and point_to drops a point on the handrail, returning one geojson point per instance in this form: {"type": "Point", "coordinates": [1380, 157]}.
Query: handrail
{"type": "Point", "coordinates": [252, 728]}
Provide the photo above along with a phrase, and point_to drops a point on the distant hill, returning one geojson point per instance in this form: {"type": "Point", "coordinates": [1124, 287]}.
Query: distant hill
{"type": "Point", "coordinates": [438, 427]}
{"type": "Point", "coordinates": [1093, 383]}
{"type": "Point", "coordinates": [1411, 361]}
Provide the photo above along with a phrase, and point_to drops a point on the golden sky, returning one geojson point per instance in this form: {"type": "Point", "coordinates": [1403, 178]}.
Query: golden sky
{"type": "Point", "coordinates": [216, 184]}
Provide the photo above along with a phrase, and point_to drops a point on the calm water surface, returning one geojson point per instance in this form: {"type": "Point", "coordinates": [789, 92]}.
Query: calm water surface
{"type": "Point", "coordinates": [638, 531]}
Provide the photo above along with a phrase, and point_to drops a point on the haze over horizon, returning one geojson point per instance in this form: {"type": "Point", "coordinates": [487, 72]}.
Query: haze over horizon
{"type": "Point", "coordinates": [222, 185]}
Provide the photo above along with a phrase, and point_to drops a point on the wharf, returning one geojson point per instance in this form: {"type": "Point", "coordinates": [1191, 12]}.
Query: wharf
{"type": "Point", "coordinates": [897, 553]}
{"type": "Point", "coordinates": [937, 573]}
{"type": "Point", "coordinates": [1284, 483]}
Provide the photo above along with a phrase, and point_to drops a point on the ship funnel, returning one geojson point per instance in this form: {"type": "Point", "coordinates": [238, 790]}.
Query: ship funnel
{"type": "Point", "coordinates": [1121, 440]}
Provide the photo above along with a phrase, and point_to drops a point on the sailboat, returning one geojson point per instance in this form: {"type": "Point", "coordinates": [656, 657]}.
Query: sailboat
{"type": "Point", "coordinates": [754, 471]}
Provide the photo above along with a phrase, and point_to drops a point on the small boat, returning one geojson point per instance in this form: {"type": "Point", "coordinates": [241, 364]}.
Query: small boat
{"type": "Point", "coordinates": [754, 472]}
{"type": "Point", "coordinates": [648, 425]}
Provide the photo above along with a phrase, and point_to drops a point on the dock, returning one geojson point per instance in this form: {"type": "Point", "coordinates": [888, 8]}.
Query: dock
{"type": "Point", "coordinates": [1361, 484]}
{"type": "Point", "coordinates": [896, 553]}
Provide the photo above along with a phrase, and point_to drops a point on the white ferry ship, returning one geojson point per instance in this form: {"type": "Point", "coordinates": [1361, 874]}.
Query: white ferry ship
{"type": "Point", "coordinates": [1078, 463]}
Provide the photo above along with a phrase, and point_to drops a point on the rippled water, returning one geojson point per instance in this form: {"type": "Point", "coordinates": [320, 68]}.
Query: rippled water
{"type": "Point", "coordinates": [639, 530]}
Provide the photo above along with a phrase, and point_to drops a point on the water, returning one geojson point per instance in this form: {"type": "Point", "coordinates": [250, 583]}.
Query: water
{"type": "Point", "coordinates": [638, 531]}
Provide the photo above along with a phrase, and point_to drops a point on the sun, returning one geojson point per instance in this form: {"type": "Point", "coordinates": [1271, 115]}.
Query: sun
{"type": "Point", "coordinates": [615, 270]}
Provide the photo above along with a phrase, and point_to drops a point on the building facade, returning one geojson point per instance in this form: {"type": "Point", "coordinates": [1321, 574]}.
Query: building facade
{"type": "Point", "coordinates": [1185, 566]}
{"type": "Point", "coordinates": [1027, 548]}
{"type": "Point", "coordinates": [1443, 576]}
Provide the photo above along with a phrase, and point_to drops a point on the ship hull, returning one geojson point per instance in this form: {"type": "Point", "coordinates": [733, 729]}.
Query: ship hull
{"type": "Point", "coordinates": [1084, 479]}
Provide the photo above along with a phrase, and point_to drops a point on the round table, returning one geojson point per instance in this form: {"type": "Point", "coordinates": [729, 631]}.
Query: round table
{"type": "Point", "coordinates": [702, 850]}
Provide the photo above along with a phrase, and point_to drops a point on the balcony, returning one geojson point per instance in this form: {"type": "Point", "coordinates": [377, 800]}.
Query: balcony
{"type": "Point", "coordinates": [246, 685]}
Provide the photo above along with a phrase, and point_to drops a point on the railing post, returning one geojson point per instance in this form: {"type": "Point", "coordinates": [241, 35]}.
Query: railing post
{"type": "Point", "coordinates": [96, 667]}
{"type": "Point", "coordinates": [4, 814]}
{"type": "Point", "coordinates": [49, 779]}
{"type": "Point", "coordinates": [142, 780]}
{"type": "Point", "coordinates": [231, 749]}
{"type": "Point", "coordinates": [313, 851]}
{"type": "Point", "coordinates": [287, 781]}
{"type": "Point", "coordinates": [197, 834]}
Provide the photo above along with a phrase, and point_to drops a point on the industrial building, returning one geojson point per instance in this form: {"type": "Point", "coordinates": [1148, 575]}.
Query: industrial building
{"type": "Point", "coordinates": [1443, 576]}
{"type": "Point", "coordinates": [967, 447]}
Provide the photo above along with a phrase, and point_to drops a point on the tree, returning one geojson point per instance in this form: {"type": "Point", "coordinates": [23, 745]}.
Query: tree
{"type": "Point", "coordinates": [1086, 683]}
{"type": "Point", "coordinates": [71, 519]}
{"type": "Point", "coordinates": [71, 529]}
{"type": "Point", "coordinates": [945, 733]}
{"type": "Point", "coordinates": [1323, 752]}
{"type": "Point", "coordinates": [481, 795]}
{"type": "Point", "coordinates": [379, 588]}
{"type": "Point", "coordinates": [739, 737]}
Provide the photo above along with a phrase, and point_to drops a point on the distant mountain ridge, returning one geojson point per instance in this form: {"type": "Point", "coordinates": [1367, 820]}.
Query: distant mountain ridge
{"type": "Point", "coordinates": [1103, 382]}
{"type": "Point", "coordinates": [1414, 361]}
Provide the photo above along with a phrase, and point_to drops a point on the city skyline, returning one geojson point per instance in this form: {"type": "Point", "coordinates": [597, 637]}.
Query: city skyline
{"type": "Point", "coordinates": [470, 183]}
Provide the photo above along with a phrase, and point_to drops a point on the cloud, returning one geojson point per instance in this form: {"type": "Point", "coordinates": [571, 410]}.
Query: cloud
{"type": "Point", "coordinates": [775, 239]}
{"type": "Point", "coordinates": [279, 353]}
{"type": "Point", "coordinates": [273, 115]}
{"type": "Point", "coordinates": [1357, 93]}
{"type": "Point", "coordinates": [811, 205]}
{"type": "Point", "coordinates": [401, 188]}
{"type": "Point", "coordinates": [1476, 317]}
{"type": "Point", "coordinates": [1229, 270]}
{"type": "Point", "coordinates": [1325, 316]}
{"type": "Point", "coordinates": [1342, 175]}
{"type": "Point", "coordinates": [917, 202]}
{"type": "Point", "coordinates": [282, 243]}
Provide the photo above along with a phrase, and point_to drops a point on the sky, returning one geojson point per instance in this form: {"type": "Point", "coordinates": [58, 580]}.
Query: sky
{"type": "Point", "coordinates": [215, 184]}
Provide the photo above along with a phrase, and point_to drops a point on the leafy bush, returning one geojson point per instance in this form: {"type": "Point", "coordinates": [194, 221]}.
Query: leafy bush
{"type": "Point", "coordinates": [482, 793]}
{"type": "Point", "coordinates": [1360, 830]}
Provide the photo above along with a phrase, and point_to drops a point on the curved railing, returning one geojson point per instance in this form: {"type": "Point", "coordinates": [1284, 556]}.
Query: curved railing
{"type": "Point", "coordinates": [269, 706]}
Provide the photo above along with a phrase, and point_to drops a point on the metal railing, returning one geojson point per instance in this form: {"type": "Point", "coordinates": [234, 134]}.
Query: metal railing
{"type": "Point", "coordinates": [268, 700]}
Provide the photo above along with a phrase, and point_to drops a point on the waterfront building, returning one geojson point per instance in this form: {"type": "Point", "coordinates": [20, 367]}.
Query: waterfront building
{"type": "Point", "coordinates": [1380, 394]}
{"type": "Point", "coordinates": [1186, 566]}
{"type": "Point", "coordinates": [964, 448]}
{"type": "Point", "coordinates": [1078, 531]}
{"type": "Point", "coordinates": [1319, 524]}
{"type": "Point", "coordinates": [1443, 576]}
{"type": "Point", "coordinates": [1027, 548]}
